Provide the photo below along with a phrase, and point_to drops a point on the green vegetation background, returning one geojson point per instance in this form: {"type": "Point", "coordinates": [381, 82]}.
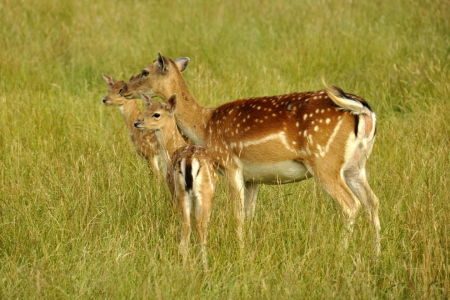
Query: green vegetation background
{"type": "Point", "coordinates": [81, 217]}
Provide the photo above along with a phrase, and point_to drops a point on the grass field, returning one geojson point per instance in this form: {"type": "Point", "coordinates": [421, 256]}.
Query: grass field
{"type": "Point", "coordinates": [81, 216]}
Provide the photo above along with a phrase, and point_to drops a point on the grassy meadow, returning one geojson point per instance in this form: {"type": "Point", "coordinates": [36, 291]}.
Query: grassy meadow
{"type": "Point", "coordinates": [82, 217]}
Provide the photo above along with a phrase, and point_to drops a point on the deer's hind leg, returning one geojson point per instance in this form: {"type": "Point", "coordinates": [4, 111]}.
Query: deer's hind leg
{"type": "Point", "coordinates": [330, 176]}
{"type": "Point", "coordinates": [356, 180]}
{"type": "Point", "coordinates": [203, 191]}
{"type": "Point", "coordinates": [184, 206]}
{"type": "Point", "coordinates": [202, 215]}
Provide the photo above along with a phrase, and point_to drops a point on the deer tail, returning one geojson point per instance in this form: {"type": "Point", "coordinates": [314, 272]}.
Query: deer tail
{"type": "Point", "coordinates": [345, 102]}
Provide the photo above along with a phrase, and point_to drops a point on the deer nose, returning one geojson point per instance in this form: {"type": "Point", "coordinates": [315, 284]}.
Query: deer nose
{"type": "Point", "coordinates": [105, 100]}
{"type": "Point", "coordinates": [136, 124]}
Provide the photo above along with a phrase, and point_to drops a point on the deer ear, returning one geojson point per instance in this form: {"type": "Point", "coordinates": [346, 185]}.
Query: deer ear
{"type": "Point", "coordinates": [172, 103]}
{"type": "Point", "coordinates": [147, 100]}
{"type": "Point", "coordinates": [182, 63]}
{"type": "Point", "coordinates": [163, 63]}
{"type": "Point", "coordinates": [109, 80]}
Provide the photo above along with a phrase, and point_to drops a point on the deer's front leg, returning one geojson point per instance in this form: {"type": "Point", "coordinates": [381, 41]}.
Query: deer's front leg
{"type": "Point", "coordinates": [251, 194]}
{"type": "Point", "coordinates": [236, 185]}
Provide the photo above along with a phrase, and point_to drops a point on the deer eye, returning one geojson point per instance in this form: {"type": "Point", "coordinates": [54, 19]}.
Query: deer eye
{"type": "Point", "coordinates": [144, 73]}
{"type": "Point", "coordinates": [156, 115]}
{"type": "Point", "coordinates": [120, 91]}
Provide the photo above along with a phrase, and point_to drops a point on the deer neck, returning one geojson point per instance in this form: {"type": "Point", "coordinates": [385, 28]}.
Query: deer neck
{"type": "Point", "coordinates": [131, 113]}
{"type": "Point", "coordinates": [190, 115]}
{"type": "Point", "coordinates": [169, 140]}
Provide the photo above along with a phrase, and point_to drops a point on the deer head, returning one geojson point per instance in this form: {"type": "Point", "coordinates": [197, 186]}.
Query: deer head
{"type": "Point", "coordinates": [114, 96]}
{"type": "Point", "coordinates": [157, 114]}
{"type": "Point", "coordinates": [154, 78]}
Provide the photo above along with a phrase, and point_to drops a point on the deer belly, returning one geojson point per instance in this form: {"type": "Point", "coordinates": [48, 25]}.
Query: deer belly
{"type": "Point", "coordinates": [276, 172]}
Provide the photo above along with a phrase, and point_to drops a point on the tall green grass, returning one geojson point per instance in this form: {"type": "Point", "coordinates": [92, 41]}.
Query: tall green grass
{"type": "Point", "coordinates": [82, 217]}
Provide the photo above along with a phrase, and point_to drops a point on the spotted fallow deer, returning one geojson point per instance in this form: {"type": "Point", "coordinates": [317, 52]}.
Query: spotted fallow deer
{"type": "Point", "coordinates": [191, 171]}
{"type": "Point", "coordinates": [144, 142]}
{"type": "Point", "coordinates": [327, 134]}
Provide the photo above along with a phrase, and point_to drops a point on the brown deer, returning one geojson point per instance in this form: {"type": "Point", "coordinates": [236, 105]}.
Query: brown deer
{"type": "Point", "coordinates": [145, 143]}
{"type": "Point", "coordinates": [191, 171]}
{"type": "Point", "coordinates": [327, 134]}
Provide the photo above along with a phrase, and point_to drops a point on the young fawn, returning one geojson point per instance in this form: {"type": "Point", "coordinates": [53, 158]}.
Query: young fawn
{"type": "Point", "coordinates": [144, 142]}
{"type": "Point", "coordinates": [327, 134]}
{"type": "Point", "coordinates": [191, 171]}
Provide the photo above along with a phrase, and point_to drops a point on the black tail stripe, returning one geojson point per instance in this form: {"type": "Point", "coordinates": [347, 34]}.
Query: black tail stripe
{"type": "Point", "coordinates": [356, 124]}
{"type": "Point", "coordinates": [189, 180]}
